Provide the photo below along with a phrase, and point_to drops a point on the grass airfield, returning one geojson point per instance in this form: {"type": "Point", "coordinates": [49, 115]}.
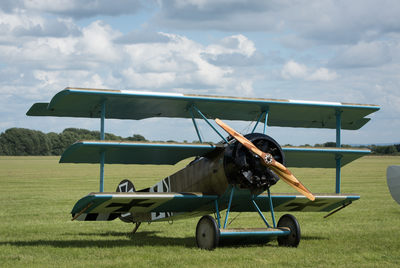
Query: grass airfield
{"type": "Point", "coordinates": [37, 195]}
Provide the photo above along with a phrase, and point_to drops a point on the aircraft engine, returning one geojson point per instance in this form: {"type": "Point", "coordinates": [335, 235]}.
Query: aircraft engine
{"type": "Point", "coordinates": [233, 164]}
{"type": "Point", "coordinates": [245, 169]}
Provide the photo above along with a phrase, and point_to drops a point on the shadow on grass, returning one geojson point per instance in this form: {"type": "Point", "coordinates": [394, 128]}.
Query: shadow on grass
{"type": "Point", "coordinates": [139, 239]}
{"type": "Point", "coordinates": [314, 238]}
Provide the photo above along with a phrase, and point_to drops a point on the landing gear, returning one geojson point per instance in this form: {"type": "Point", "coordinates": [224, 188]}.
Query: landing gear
{"type": "Point", "coordinates": [293, 239]}
{"type": "Point", "coordinates": [137, 224]}
{"type": "Point", "coordinates": [207, 233]}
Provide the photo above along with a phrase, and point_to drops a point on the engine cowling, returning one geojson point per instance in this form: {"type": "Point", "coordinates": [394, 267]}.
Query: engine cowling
{"type": "Point", "coordinates": [244, 169]}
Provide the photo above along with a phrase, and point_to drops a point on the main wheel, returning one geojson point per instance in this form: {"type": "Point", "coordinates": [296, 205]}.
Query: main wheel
{"type": "Point", "coordinates": [293, 239]}
{"type": "Point", "coordinates": [207, 233]}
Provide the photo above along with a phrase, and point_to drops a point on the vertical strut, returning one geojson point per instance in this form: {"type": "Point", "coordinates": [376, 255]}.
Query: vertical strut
{"type": "Point", "coordinates": [258, 121]}
{"type": "Point", "coordinates": [265, 121]}
{"type": "Point", "coordinates": [102, 159]}
{"type": "Point", "coordinates": [229, 206]}
{"type": "Point", "coordinates": [195, 125]}
{"type": "Point", "coordinates": [271, 206]}
{"type": "Point", "coordinates": [338, 145]}
{"type": "Point", "coordinates": [208, 122]}
{"type": "Point", "coordinates": [338, 128]}
{"type": "Point", "coordinates": [218, 215]}
{"type": "Point", "coordinates": [259, 211]}
{"type": "Point", "coordinates": [102, 136]}
{"type": "Point", "coordinates": [338, 173]}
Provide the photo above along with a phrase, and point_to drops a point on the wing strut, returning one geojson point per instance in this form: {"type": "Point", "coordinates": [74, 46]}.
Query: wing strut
{"type": "Point", "coordinates": [338, 145]}
{"type": "Point", "coordinates": [208, 122]}
{"type": "Point", "coordinates": [266, 111]}
{"type": "Point", "coordinates": [102, 136]}
{"type": "Point", "coordinates": [195, 124]}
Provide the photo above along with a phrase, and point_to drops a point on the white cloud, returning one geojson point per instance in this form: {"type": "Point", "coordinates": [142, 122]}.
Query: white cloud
{"type": "Point", "coordinates": [294, 70]}
{"type": "Point", "coordinates": [322, 74]}
{"type": "Point", "coordinates": [307, 22]}
{"type": "Point", "coordinates": [82, 9]}
{"type": "Point", "coordinates": [97, 42]}
{"type": "Point", "coordinates": [45, 46]}
{"type": "Point", "coordinates": [364, 54]}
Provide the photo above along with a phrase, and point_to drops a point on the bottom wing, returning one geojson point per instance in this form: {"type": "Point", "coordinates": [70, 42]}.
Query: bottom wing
{"type": "Point", "coordinates": [146, 206]}
{"type": "Point", "coordinates": [290, 202]}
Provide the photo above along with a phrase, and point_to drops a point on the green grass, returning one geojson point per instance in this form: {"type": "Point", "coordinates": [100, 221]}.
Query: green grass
{"type": "Point", "coordinates": [37, 194]}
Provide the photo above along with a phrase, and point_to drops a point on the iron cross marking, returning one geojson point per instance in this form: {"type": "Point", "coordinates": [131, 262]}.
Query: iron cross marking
{"type": "Point", "coordinates": [125, 207]}
{"type": "Point", "coordinates": [299, 206]}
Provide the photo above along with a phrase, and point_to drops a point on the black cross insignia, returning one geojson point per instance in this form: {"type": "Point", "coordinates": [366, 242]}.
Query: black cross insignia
{"type": "Point", "coordinates": [125, 207]}
{"type": "Point", "coordinates": [299, 206]}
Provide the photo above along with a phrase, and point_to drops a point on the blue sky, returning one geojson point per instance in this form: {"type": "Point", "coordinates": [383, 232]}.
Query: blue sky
{"type": "Point", "coordinates": [344, 51]}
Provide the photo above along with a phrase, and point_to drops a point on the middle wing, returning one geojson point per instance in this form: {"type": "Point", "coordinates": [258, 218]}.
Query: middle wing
{"type": "Point", "coordinates": [171, 153]}
{"type": "Point", "coordinates": [117, 152]}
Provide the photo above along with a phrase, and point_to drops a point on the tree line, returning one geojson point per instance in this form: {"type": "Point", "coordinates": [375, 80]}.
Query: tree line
{"type": "Point", "coordinates": [22, 141]}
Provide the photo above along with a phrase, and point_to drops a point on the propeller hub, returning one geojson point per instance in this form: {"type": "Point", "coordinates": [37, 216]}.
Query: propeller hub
{"type": "Point", "coordinates": [268, 158]}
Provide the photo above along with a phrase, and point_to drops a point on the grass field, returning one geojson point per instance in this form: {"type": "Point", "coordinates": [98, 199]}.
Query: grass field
{"type": "Point", "coordinates": [37, 194]}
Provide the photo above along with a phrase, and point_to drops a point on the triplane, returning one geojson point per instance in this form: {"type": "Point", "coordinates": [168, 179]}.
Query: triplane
{"type": "Point", "coordinates": [233, 175]}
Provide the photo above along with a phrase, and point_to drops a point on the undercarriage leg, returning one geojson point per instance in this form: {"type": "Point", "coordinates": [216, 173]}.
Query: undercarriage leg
{"type": "Point", "coordinates": [137, 224]}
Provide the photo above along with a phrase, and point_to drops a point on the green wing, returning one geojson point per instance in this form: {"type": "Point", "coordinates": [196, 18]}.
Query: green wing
{"type": "Point", "coordinates": [108, 206]}
{"type": "Point", "coordinates": [120, 104]}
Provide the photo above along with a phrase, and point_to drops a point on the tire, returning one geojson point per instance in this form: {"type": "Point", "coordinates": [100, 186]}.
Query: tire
{"type": "Point", "coordinates": [293, 239]}
{"type": "Point", "coordinates": [207, 233]}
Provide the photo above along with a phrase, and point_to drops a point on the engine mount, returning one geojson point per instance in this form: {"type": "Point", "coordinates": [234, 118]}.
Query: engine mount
{"type": "Point", "coordinates": [243, 168]}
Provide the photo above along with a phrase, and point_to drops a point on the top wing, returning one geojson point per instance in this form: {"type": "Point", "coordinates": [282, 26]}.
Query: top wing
{"type": "Point", "coordinates": [121, 104]}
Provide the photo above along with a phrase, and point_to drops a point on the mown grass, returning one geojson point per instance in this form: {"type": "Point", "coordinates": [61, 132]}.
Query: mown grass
{"type": "Point", "coordinates": [37, 194]}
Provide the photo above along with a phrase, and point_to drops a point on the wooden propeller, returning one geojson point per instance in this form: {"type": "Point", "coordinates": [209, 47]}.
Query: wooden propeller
{"type": "Point", "coordinates": [267, 160]}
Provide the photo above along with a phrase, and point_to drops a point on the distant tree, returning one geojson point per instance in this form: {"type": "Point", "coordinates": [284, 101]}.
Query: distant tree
{"type": "Point", "coordinates": [330, 144]}
{"type": "Point", "coordinates": [389, 149]}
{"type": "Point", "coordinates": [21, 141]}
{"type": "Point", "coordinates": [56, 146]}
{"type": "Point", "coordinates": [136, 137]}
{"type": "Point", "coordinates": [397, 147]}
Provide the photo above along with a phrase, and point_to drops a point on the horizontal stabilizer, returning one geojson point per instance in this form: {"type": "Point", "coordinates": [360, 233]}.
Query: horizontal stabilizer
{"type": "Point", "coordinates": [132, 152]}
{"type": "Point", "coordinates": [122, 104]}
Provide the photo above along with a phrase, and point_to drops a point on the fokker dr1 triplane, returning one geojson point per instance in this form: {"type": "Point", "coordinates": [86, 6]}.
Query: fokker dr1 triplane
{"type": "Point", "coordinates": [235, 174]}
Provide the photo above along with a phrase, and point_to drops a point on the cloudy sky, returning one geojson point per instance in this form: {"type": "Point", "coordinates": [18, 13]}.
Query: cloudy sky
{"type": "Point", "coordinates": [346, 51]}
